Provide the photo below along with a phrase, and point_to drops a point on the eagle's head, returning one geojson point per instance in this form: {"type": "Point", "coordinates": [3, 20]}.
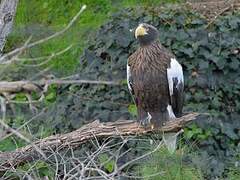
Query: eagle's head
{"type": "Point", "coordinates": [146, 34]}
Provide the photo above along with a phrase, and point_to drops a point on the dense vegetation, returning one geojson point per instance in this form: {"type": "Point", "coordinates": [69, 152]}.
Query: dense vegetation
{"type": "Point", "coordinates": [101, 44]}
{"type": "Point", "coordinates": [210, 63]}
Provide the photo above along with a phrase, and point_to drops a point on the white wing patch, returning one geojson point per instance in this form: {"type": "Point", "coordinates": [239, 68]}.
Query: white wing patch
{"type": "Point", "coordinates": [128, 78]}
{"type": "Point", "coordinates": [170, 112]}
{"type": "Point", "coordinates": [175, 71]}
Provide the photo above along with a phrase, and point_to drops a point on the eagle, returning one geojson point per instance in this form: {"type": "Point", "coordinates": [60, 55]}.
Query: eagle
{"type": "Point", "coordinates": [155, 79]}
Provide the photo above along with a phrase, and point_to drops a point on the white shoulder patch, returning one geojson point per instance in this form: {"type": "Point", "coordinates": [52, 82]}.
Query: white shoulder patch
{"type": "Point", "coordinates": [174, 71]}
{"type": "Point", "coordinates": [128, 78]}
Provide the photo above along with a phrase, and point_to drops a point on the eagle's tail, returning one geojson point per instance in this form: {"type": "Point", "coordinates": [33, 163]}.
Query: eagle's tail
{"type": "Point", "coordinates": [159, 119]}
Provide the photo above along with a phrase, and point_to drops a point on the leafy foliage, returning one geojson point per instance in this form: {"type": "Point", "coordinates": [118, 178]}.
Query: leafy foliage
{"type": "Point", "coordinates": [107, 162]}
{"type": "Point", "coordinates": [10, 144]}
{"type": "Point", "coordinates": [195, 132]}
{"type": "Point", "coordinates": [169, 166]}
{"type": "Point", "coordinates": [38, 170]}
{"type": "Point", "coordinates": [210, 59]}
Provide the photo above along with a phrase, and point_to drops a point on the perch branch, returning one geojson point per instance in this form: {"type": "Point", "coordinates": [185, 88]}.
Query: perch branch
{"type": "Point", "coordinates": [88, 132]}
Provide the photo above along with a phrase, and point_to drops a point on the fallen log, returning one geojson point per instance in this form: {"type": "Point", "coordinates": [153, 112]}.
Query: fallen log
{"type": "Point", "coordinates": [82, 135]}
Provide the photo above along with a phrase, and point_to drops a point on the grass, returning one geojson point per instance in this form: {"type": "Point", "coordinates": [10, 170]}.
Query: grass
{"type": "Point", "coordinates": [39, 18]}
{"type": "Point", "coordinates": [170, 166]}
{"type": "Point", "coordinates": [234, 174]}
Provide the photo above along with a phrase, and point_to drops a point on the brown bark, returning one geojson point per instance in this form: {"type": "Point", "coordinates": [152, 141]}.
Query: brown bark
{"type": "Point", "coordinates": [36, 86]}
{"type": "Point", "coordinates": [76, 138]}
{"type": "Point", "coordinates": [7, 13]}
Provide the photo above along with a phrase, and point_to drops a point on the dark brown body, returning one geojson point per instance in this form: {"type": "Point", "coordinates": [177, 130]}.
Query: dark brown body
{"type": "Point", "coordinates": [148, 67]}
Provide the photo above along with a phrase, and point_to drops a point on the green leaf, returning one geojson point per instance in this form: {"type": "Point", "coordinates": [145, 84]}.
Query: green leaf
{"type": "Point", "coordinates": [203, 65]}
{"type": "Point", "coordinates": [188, 134]}
{"type": "Point", "coordinates": [21, 97]}
{"type": "Point", "coordinates": [51, 96]}
{"type": "Point", "coordinates": [132, 108]}
{"type": "Point", "coordinates": [234, 64]}
{"type": "Point", "coordinates": [107, 163]}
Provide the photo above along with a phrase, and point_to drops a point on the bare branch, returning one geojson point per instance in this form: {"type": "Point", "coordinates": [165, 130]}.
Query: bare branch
{"type": "Point", "coordinates": [90, 131]}
{"type": "Point", "coordinates": [18, 134]}
{"type": "Point", "coordinates": [12, 53]}
{"type": "Point", "coordinates": [18, 129]}
{"type": "Point", "coordinates": [48, 58]}
{"type": "Point", "coordinates": [28, 86]}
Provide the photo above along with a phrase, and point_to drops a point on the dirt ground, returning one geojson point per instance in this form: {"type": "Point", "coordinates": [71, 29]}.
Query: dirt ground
{"type": "Point", "coordinates": [211, 9]}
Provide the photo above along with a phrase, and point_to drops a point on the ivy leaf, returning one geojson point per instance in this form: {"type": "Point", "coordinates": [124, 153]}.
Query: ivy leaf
{"type": "Point", "coordinates": [132, 108]}
{"type": "Point", "coordinates": [188, 134]}
{"type": "Point", "coordinates": [234, 64]}
{"type": "Point", "coordinates": [228, 129]}
{"type": "Point", "coordinates": [221, 63]}
{"type": "Point", "coordinates": [107, 163]}
{"type": "Point", "coordinates": [203, 65]}
{"type": "Point", "coordinates": [21, 97]}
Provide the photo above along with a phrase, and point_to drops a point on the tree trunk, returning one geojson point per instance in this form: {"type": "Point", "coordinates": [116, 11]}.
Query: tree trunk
{"type": "Point", "coordinates": [7, 12]}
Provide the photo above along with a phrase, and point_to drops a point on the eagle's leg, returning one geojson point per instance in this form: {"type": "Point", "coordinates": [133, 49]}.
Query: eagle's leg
{"type": "Point", "coordinates": [159, 119]}
{"type": "Point", "coordinates": [144, 118]}
{"type": "Point", "coordinates": [146, 121]}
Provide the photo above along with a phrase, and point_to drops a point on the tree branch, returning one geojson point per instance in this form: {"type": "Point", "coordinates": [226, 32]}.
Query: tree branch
{"type": "Point", "coordinates": [29, 86]}
{"type": "Point", "coordinates": [15, 51]}
{"type": "Point", "coordinates": [88, 132]}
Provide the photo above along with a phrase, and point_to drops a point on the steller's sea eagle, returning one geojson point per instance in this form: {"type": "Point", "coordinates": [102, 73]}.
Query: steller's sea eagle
{"type": "Point", "coordinates": [155, 79]}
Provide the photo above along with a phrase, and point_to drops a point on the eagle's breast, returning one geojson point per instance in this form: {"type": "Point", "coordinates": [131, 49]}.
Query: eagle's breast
{"type": "Point", "coordinates": [148, 67]}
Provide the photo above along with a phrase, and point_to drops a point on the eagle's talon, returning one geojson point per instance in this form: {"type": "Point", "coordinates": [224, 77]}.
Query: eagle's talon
{"type": "Point", "coordinates": [146, 122]}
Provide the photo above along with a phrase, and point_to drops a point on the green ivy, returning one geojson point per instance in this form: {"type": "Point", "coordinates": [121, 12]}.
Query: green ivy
{"type": "Point", "coordinates": [166, 166]}
{"type": "Point", "coordinates": [132, 108]}
{"type": "Point", "coordinates": [210, 65]}
{"type": "Point", "coordinates": [107, 162]}
{"type": "Point", "coordinates": [196, 133]}
{"type": "Point", "coordinates": [210, 59]}
{"type": "Point", "coordinates": [51, 94]}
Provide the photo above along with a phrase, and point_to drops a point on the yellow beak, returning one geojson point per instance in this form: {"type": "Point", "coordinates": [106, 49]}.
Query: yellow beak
{"type": "Point", "coordinates": [140, 31]}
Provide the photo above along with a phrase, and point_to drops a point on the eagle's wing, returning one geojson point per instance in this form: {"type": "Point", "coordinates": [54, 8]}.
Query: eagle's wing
{"type": "Point", "coordinates": [176, 86]}
{"type": "Point", "coordinates": [129, 81]}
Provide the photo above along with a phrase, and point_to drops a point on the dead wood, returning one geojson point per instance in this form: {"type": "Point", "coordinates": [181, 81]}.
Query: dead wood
{"type": "Point", "coordinates": [76, 138]}
{"type": "Point", "coordinates": [36, 86]}
{"type": "Point", "coordinates": [7, 13]}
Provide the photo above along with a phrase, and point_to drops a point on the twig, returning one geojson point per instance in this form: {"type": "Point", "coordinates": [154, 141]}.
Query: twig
{"type": "Point", "coordinates": [90, 131]}
{"type": "Point", "coordinates": [56, 81]}
{"type": "Point", "coordinates": [29, 86]}
{"type": "Point", "coordinates": [27, 122]}
{"type": "Point", "coordinates": [18, 134]}
{"type": "Point", "coordinates": [13, 59]}
{"type": "Point", "coordinates": [219, 14]}
{"type": "Point", "coordinates": [6, 56]}
{"type": "Point", "coordinates": [48, 58]}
